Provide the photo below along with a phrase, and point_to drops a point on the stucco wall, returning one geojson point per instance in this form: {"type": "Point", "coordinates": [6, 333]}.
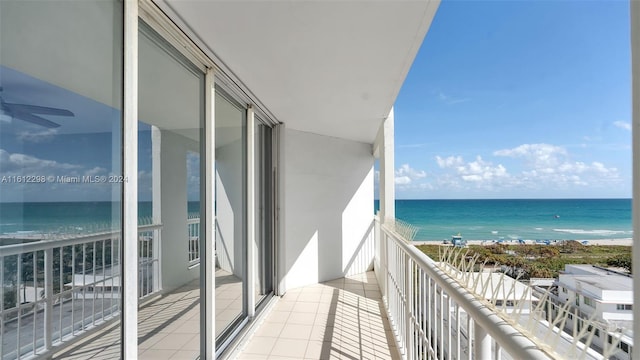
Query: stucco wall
{"type": "Point", "coordinates": [328, 208]}
{"type": "Point", "coordinates": [230, 209]}
{"type": "Point", "coordinates": [175, 270]}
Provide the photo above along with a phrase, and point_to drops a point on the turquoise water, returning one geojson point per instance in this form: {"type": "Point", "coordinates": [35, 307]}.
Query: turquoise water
{"type": "Point", "coordinates": [557, 219]}
{"type": "Point", "coordinates": [575, 219]}
{"type": "Point", "coordinates": [67, 217]}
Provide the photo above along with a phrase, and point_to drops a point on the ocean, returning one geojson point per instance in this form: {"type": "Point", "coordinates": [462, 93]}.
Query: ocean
{"type": "Point", "coordinates": [553, 219]}
{"type": "Point", "coordinates": [570, 219]}
{"type": "Point", "coordinates": [32, 219]}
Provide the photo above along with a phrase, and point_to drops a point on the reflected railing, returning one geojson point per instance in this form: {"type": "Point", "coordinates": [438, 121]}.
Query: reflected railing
{"type": "Point", "coordinates": [193, 233]}
{"type": "Point", "coordinates": [54, 289]}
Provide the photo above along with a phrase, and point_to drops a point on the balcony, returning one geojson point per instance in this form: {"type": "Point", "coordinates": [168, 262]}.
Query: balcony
{"type": "Point", "coordinates": [338, 319]}
{"type": "Point", "coordinates": [59, 288]}
{"type": "Point", "coordinates": [409, 307]}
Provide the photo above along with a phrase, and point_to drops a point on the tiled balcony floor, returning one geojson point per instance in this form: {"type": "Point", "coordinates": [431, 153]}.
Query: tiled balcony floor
{"type": "Point", "coordinates": [338, 319]}
{"type": "Point", "coordinates": [168, 326]}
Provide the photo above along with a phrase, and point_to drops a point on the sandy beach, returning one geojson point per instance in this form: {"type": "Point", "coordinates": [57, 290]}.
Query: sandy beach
{"type": "Point", "coordinates": [619, 242]}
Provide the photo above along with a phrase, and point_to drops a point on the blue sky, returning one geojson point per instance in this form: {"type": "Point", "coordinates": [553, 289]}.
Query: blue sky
{"type": "Point", "coordinates": [505, 99]}
{"type": "Point", "coordinates": [518, 99]}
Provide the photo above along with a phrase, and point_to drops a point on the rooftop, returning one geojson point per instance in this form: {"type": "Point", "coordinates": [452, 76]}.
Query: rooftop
{"type": "Point", "coordinates": [598, 277]}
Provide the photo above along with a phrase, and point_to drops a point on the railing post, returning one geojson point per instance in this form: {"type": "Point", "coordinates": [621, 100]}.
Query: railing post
{"type": "Point", "coordinates": [155, 261]}
{"type": "Point", "coordinates": [497, 354]}
{"type": "Point", "coordinates": [408, 308]}
{"type": "Point", "coordinates": [482, 342]}
{"type": "Point", "coordinates": [48, 294]}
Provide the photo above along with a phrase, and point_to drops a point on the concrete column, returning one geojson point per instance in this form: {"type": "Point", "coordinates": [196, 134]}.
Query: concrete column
{"type": "Point", "coordinates": [387, 171]}
{"type": "Point", "coordinates": [482, 343]}
{"type": "Point", "coordinates": [173, 193]}
{"type": "Point", "coordinates": [635, 100]}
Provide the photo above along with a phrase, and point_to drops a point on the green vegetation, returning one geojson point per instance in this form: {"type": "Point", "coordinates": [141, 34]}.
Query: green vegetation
{"type": "Point", "coordinates": [533, 261]}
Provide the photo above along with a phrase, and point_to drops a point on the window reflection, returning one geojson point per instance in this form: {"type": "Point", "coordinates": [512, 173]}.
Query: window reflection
{"type": "Point", "coordinates": [230, 252]}
{"type": "Point", "coordinates": [60, 171]}
{"type": "Point", "coordinates": [171, 93]}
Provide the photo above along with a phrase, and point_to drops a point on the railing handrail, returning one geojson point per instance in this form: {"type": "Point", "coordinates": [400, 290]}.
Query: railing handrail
{"type": "Point", "coordinates": [17, 249]}
{"type": "Point", "coordinates": [504, 333]}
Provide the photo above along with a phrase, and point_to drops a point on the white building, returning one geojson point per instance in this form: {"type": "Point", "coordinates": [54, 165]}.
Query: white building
{"type": "Point", "coordinates": [602, 295]}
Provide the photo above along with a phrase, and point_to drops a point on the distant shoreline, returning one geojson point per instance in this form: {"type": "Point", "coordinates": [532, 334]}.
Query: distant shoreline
{"type": "Point", "coordinates": [611, 242]}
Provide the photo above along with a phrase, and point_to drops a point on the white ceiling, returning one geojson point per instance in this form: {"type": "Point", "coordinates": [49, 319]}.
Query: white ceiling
{"type": "Point", "coordinates": [326, 67]}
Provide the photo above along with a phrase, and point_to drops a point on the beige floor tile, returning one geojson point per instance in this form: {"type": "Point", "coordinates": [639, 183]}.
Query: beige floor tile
{"type": "Point", "coordinates": [252, 357]}
{"type": "Point", "coordinates": [150, 341]}
{"type": "Point", "coordinates": [290, 347]}
{"type": "Point", "coordinates": [306, 307]}
{"type": "Point", "coordinates": [173, 341]}
{"type": "Point", "coordinates": [318, 350]}
{"type": "Point", "coordinates": [341, 323]}
{"type": "Point", "coordinates": [270, 329]}
{"type": "Point", "coordinates": [189, 327]}
{"type": "Point", "coordinates": [154, 354]}
{"type": "Point", "coordinates": [285, 305]}
{"type": "Point", "coordinates": [260, 345]}
{"type": "Point", "coordinates": [295, 331]}
{"type": "Point", "coordinates": [301, 318]}
{"type": "Point", "coordinates": [278, 316]}
{"type": "Point", "coordinates": [185, 355]}
{"type": "Point", "coordinates": [313, 297]}
{"type": "Point", "coordinates": [320, 333]}
{"type": "Point", "coordinates": [193, 344]}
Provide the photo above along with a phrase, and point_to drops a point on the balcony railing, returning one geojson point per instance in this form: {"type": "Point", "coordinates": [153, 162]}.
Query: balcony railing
{"type": "Point", "coordinates": [193, 236]}
{"type": "Point", "coordinates": [433, 316]}
{"type": "Point", "coordinates": [53, 290]}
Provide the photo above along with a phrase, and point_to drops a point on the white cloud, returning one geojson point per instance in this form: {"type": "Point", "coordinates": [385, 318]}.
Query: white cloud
{"type": "Point", "coordinates": [622, 125]}
{"type": "Point", "coordinates": [550, 165]}
{"type": "Point", "coordinates": [449, 161]}
{"type": "Point", "coordinates": [537, 155]}
{"type": "Point", "coordinates": [406, 175]}
{"type": "Point", "coordinates": [402, 180]}
{"type": "Point", "coordinates": [96, 171]}
{"type": "Point", "coordinates": [37, 136]}
{"type": "Point", "coordinates": [22, 164]}
{"type": "Point", "coordinates": [480, 171]}
{"type": "Point", "coordinates": [406, 170]}
{"type": "Point", "coordinates": [538, 167]}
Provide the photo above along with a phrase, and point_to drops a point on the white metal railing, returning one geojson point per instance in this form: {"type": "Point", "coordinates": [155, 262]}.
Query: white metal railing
{"type": "Point", "coordinates": [433, 316]}
{"type": "Point", "coordinates": [193, 233]}
{"type": "Point", "coordinates": [53, 290]}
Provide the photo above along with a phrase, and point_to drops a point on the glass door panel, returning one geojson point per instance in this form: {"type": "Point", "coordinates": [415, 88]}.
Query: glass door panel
{"type": "Point", "coordinates": [60, 174]}
{"type": "Point", "coordinates": [230, 227]}
{"type": "Point", "coordinates": [171, 118]}
{"type": "Point", "coordinates": [263, 212]}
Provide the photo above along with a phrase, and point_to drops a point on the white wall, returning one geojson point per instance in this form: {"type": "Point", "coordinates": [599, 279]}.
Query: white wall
{"type": "Point", "coordinates": [328, 208]}
{"type": "Point", "coordinates": [229, 205]}
{"type": "Point", "coordinates": [74, 45]}
{"type": "Point", "coordinates": [173, 191]}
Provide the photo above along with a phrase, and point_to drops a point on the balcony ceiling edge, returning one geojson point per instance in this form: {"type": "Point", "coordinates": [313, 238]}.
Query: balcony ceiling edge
{"type": "Point", "coordinates": [325, 67]}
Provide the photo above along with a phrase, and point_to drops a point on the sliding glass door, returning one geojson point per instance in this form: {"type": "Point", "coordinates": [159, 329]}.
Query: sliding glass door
{"type": "Point", "coordinates": [171, 122]}
{"type": "Point", "coordinates": [60, 172]}
{"type": "Point", "coordinates": [264, 212]}
{"type": "Point", "coordinates": [231, 210]}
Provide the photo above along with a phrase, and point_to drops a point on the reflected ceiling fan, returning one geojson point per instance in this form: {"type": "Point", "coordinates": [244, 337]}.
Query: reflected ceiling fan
{"type": "Point", "coordinates": [27, 112]}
